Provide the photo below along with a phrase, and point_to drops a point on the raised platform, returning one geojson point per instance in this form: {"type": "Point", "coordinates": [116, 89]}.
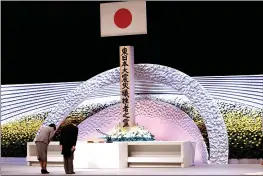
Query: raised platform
{"type": "Point", "coordinates": [121, 154]}
{"type": "Point", "coordinates": [18, 166]}
{"type": "Point", "coordinates": [54, 154]}
{"type": "Point", "coordinates": [161, 154]}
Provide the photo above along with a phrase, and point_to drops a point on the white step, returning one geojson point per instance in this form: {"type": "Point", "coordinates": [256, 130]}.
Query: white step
{"type": "Point", "coordinates": [49, 158]}
{"type": "Point", "coordinates": [155, 160]}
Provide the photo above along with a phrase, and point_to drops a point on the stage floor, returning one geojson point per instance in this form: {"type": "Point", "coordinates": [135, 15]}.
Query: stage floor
{"type": "Point", "coordinates": [18, 167]}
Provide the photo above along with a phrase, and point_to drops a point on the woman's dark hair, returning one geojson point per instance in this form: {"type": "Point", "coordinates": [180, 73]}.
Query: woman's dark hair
{"type": "Point", "coordinates": [52, 125]}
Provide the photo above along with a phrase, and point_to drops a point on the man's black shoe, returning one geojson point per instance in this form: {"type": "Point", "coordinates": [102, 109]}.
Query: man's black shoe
{"type": "Point", "coordinates": [71, 173]}
{"type": "Point", "coordinates": [43, 171]}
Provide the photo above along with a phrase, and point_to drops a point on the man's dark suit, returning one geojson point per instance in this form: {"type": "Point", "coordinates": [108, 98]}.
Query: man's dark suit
{"type": "Point", "coordinates": [68, 139]}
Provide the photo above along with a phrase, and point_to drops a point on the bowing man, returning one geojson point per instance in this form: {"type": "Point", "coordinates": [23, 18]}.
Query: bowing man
{"type": "Point", "coordinates": [68, 140]}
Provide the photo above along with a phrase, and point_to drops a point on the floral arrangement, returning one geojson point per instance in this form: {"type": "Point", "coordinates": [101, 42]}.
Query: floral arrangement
{"type": "Point", "coordinates": [245, 136]}
{"type": "Point", "coordinates": [135, 133]}
{"type": "Point", "coordinates": [243, 125]}
{"type": "Point", "coordinates": [16, 134]}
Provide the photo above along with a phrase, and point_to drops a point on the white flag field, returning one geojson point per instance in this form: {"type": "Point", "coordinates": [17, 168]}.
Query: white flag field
{"type": "Point", "coordinates": [123, 18]}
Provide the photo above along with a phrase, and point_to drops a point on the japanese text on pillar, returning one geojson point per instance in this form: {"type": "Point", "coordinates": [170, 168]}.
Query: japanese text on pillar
{"type": "Point", "coordinates": [125, 87]}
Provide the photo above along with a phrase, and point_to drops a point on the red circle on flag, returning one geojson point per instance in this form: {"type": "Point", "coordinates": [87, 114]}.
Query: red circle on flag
{"type": "Point", "coordinates": [122, 18]}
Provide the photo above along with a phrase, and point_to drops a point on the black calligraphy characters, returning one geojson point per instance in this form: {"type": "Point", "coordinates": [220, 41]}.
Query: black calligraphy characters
{"type": "Point", "coordinates": [125, 87]}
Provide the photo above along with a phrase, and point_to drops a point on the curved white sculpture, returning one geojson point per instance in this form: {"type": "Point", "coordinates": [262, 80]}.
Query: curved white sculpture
{"type": "Point", "coordinates": [216, 129]}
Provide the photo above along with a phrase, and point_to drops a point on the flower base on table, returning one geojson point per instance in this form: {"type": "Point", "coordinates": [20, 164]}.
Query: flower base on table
{"type": "Point", "coordinates": [135, 133]}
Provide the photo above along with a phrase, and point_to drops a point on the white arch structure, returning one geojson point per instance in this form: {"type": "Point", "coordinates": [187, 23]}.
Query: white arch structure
{"type": "Point", "coordinates": [216, 129]}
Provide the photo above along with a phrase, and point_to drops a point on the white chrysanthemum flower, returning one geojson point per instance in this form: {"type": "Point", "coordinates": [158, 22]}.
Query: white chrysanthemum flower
{"type": "Point", "coordinates": [134, 132]}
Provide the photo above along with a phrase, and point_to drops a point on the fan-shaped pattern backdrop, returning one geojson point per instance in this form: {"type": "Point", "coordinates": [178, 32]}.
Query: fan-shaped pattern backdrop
{"type": "Point", "coordinates": [18, 100]}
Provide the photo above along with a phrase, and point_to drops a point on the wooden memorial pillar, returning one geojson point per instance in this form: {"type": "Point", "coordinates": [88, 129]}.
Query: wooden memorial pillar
{"type": "Point", "coordinates": [127, 86]}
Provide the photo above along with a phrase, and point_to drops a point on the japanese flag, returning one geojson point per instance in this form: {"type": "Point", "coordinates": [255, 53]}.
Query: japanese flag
{"type": "Point", "coordinates": [123, 18]}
